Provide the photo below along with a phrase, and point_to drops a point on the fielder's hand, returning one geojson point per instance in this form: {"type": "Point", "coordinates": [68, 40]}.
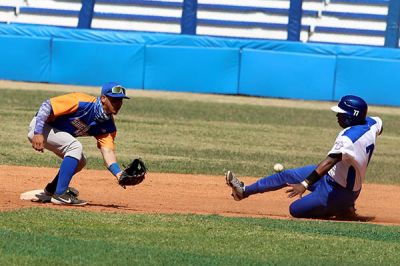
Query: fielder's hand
{"type": "Point", "coordinates": [38, 142]}
{"type": "Point", "coordinates": [295, 189]}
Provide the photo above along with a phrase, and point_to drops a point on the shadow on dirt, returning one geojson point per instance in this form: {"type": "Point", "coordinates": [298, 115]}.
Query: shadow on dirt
{"type": "Point", "coordinates": [112, 206]}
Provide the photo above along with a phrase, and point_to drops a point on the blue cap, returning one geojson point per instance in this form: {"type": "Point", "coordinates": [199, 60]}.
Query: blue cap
{"type": "Point", "coordinates": [114, 90]}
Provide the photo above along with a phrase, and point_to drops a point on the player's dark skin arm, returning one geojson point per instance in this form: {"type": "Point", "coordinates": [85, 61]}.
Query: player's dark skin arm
{"type": "Point", "coordinates": [322, 169]}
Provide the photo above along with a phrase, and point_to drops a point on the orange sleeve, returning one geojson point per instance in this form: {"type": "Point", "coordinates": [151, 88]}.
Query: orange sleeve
{"type": "Point", "coordinates": [69, 103]}
{"type": "Point", "coordinates": [106, 140]}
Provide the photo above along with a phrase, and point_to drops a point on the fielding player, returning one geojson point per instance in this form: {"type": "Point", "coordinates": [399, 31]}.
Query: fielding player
{"type": "Point", "coordinates": [335, 183]}
{"type": "Point", "coordinates": [63, 118]}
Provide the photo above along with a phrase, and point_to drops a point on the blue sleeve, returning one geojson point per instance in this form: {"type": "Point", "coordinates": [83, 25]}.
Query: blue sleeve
{"type": "Point", "coordinates": [42, 116]}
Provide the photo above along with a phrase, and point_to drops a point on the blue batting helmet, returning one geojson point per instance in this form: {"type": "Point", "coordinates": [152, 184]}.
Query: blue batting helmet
{"type": "Point", "coordinates": [354, 108]}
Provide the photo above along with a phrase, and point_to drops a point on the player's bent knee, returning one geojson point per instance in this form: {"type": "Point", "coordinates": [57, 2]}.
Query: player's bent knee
{"type": "Point", "coordinates": [75, 150]}
{"type": "Point", "coordinates": [77, 146]}
{"type": "Point", "coordinates": [295, 211]}
{"type": "Point", "coordinates": [299, 209]}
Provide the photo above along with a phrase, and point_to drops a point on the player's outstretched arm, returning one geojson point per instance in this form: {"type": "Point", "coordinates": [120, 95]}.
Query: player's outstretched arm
{"type": "Point", "coordinates": [110, 160]}
{"type": "Point", "coordinates": [321, 170]}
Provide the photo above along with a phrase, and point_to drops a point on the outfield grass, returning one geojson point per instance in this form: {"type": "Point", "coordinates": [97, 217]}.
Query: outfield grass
{"type": "Point", "coordinates": [82, 238]}
{"type": "Point", "coordinates": [200, 137]}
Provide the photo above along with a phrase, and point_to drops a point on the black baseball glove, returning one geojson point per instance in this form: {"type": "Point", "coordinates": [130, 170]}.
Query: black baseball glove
{"type": "Point", "coordinates": [134, 174]}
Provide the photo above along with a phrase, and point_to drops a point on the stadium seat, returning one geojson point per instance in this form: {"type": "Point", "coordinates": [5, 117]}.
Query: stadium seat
{"type": "Point", "coordinates": [351, 21]}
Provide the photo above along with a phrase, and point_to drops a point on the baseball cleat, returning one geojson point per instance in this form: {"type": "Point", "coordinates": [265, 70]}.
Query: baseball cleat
{"type": "Point", "coordinates": [67, 198]}
{"type": "Point", "coordinates": [236, 185]}
{"type": "Point", "coordinates": [42, 198]}
{"type": "Point", "coordinates": [348, 214]}
{"type": "Point", "coordinates": [71, 190]}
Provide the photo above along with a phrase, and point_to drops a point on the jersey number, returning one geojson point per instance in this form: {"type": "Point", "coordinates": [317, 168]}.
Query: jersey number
{"type": "Point", "coordinates": [351, 174]}
{"type": "Point", "coordinates": [369, 150]}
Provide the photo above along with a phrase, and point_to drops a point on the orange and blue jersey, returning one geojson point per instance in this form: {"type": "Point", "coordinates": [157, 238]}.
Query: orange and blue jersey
{"type": "Point", "coordinates": [75, 113]}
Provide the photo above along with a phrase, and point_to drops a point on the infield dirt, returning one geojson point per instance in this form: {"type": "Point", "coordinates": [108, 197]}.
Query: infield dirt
{"type": "Point", "coordinates": [179, 193]}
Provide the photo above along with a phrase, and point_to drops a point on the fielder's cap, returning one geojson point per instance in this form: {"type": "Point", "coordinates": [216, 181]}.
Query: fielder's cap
{"type": "Point", "coordinates": [114, 90]}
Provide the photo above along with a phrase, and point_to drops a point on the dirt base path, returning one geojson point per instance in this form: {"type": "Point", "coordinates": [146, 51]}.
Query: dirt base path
{"type": "Point", "coordinates": [179, 193]}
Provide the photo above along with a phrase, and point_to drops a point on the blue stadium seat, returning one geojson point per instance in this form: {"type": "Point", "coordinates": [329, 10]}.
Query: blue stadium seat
{"type": "Point", "coordinates": [7, 8]}
{"type": "Point", "coordinates": [245, 24]}
{"type": "Point", "coordinates": [136, 17]}
{"type": "Point", "coordinates": [360, 16]}
{"type": "Point", "coordinates": [48, 11]}
{"type": "Point", "coordinates": [142, 3]}
{"type": "Point", "coordinates": [349, 31]}
{"type": "Point", "coordinates": [281, 11]}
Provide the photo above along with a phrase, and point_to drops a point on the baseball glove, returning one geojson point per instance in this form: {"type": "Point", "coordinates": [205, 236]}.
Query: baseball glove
{"type": "Point", "coordinates": [134, 174]}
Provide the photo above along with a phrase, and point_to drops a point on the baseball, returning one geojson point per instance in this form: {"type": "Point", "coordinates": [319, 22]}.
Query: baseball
{"type": "Point", "coordinates": [278, 167]}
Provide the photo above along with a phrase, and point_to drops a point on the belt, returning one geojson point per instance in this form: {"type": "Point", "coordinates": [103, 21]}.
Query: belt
{"type": "Point", "coordinates": [332, 182]}
{"type": "Point", "coordinates": [335, 184]}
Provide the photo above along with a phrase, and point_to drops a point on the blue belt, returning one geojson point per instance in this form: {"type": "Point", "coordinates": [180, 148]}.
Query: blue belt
{"type": "Point", "coordinates": [335, 184]}
{"type": "Point", "coordinates": [332, 182]}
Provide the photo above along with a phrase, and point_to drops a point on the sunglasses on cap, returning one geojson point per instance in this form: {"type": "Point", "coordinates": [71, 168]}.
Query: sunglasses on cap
{"type": "Point", "coordinates": [118, 90]}
{"type": "Point", "coordinates": [114, 90]}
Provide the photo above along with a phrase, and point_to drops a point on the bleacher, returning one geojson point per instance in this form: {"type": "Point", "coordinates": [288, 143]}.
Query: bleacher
{"type": "Point", "coordinates": [331, 21]}
{"type": "Point", "coordinates": [351, 21]}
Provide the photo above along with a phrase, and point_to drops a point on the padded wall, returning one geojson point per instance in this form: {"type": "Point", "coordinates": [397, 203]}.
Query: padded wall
{"type": "Point", "coordinates": [94, 63]}
{"type": "Point", "coordinates": [193, 69]}
{"type": "Point", "coordinates": [25, 58]}
{"type": "Point", "coordinates": [376, 80]}
{"type": "Point", "coordinates": [287, 75]}
{"type": "Point", "coordinates": [199, 63]}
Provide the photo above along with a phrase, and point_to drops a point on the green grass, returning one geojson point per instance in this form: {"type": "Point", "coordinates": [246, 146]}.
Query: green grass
{"type": "Point", "coordinates": [82, 238]}
{"type": "Point", "coordinates": [198, 137]}
{"type": "Point", "coordinates": [189, 136]}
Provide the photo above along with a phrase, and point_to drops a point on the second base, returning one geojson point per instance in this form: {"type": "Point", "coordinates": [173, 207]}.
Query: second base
{"type": "Point", "coordinates": [37, 195]}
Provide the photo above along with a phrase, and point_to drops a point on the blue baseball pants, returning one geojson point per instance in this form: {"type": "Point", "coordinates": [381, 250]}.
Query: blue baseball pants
{"type": "Point", "coordinates": [327, 198]}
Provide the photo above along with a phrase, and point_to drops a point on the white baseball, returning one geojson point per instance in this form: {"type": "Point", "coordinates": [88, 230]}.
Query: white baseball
{"type": "Point", "coordinates": [278, 167]}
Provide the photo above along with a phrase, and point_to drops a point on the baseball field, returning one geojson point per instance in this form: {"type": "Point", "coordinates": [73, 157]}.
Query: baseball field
{"type": "Point", "coordinates": [183, 213]}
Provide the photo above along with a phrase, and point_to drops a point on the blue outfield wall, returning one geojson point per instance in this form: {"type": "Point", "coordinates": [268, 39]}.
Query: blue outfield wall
{"type": "Point", "coordinates": [199, 63]}
{"type": "Point", "coordinates": [376, 80]}
{"type": "Point", "coordinates": [95, 63]}
{"type": "Point", "coordinates": [25, 58]}
{"type": "Point", "coordinates": [197, 69]}
{"type": "Point", "coordinates": [287, 75]}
